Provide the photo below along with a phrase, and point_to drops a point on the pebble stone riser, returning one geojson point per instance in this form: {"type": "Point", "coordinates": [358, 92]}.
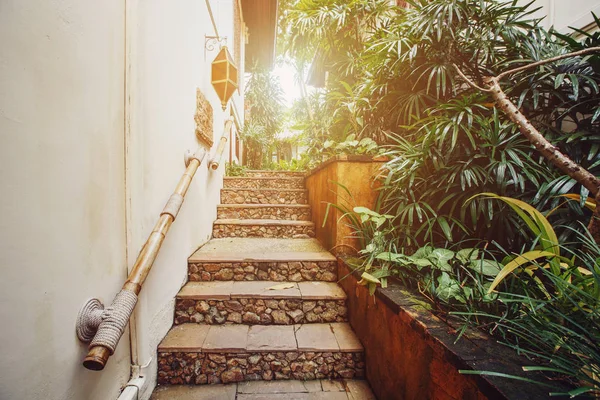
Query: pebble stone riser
{"type": "Point", "coordinates": [263, 231]}
{"type": "Point", "coordinates": [274, 174]}
{"type": "Point", "coordinates": [260, 312]}
{"type": "Point", "coordinates": [274, 183]}
{"type": "Point", "coordinates": [292, 271]}
{"type": "Point", "coordinates": [271, 196]}
{"type": "Point", "coordinates": [274, 212]}
{"type": "Point", "coordinates": [177, 368]}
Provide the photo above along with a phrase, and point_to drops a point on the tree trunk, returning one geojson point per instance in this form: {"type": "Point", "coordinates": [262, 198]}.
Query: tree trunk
{"type": "Point", "coordinates": [549, 151]}
{"type": "Point", "coordinates": [594, 225]}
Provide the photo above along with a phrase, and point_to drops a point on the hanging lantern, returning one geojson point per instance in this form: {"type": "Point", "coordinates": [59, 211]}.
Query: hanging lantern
{"type": "Point", "coordinates": [224, 76]}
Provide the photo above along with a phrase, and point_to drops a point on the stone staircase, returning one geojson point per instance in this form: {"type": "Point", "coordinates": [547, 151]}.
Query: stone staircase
{"type": "Point", "coordinates": [261, 303]}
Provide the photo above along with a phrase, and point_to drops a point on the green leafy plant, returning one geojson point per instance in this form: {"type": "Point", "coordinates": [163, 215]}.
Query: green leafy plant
{"type": "Point", "coordinates": [392, 79]}
{"type": "Point", "coordinates": [264, 103]}
{"type": "Point", "coordinates": [234, 169]}
{"type": "Point", "coordinates": [294, 164]}
{"type": "Point", "coordinates": [351, 145]}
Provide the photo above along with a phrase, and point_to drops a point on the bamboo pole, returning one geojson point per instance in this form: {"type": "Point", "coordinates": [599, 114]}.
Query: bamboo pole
{"type": "Point", "coordinates": [215, 161]}
{"type": "Point", "coordinates": [98, 355]}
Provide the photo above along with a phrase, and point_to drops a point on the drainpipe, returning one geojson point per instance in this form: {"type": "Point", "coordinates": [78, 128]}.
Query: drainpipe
{"type": "Point", "coordinates": [132, 389]}
{"type": "Point", "coordinates": [138, 381]}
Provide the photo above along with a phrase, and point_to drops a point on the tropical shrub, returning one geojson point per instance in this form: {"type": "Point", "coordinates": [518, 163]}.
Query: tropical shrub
{"type": "Point", "coordinates": [392, 78]}
{"type": "Point", "coordinates": [544, 302]}
{"type": "Point", "coordinates": [351, 145]}
{"type": "Point", "coordinates": [264, 108]}
{"type": "Point", "coordinates": [234, 169]}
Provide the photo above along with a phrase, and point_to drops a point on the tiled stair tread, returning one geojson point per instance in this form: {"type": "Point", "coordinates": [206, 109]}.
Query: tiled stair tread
{"type": "Point", "coordinates": [322, 389]}
{"type": "Point", "coordinates": [252, 205]}
{"type": "Point", "coordinates": [194, 338]}
{"type": "Point", "coordinates": [267, 222]}
{"type": "Point", "coordinates": [261, 249]}
{"type": "Point", "coordinates": [226, 290]}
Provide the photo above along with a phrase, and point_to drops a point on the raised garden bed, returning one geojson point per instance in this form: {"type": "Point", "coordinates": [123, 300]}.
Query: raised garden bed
{"type": "Point", "coordinates": [324, 185]}
{"type": "Point", "coordinates": [412, 354]}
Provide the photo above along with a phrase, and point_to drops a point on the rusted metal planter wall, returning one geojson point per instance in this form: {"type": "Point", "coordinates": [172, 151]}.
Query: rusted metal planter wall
{"type": "Point", "coordinates": [356, 173]}
{"type": "Point", "coordinates": [412, 354]}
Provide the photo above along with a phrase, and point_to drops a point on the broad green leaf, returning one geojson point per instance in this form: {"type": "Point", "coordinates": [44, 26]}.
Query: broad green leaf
{"type": "Point", "coordinates": [369, 278]}
{"type": "Point", "coordinates": [589, 203]}
{"type": "Point", "coordinates": [466, 255]}
{"type": "Point", "coordinates": [486, 267]}
{"type": "Point", "coordinates": [423, 252]}
{"type": "Point", "coordinates": [535, 220]}
{"type": "Point", "coordinates": [447, 288]}
{"type": "Point", "coordinates": [420, 262]}
{"type": "Point", "coordinates": [365, 210]}
{"type": "Point", "coordinates": [387, 256]}
{"type": "Point", "coordinates": [520, 260]}
{"type": "Point", "coordinates": [440, 258]}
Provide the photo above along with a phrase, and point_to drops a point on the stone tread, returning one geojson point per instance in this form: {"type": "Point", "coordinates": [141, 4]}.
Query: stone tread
{"type": "Point", "coordinates": [263, 222]}
{"type": "Point", "coordinates": [261, 250]}
{"type": "Point", "coordinates": [325, 337]}
{"type": "Point", "coordinates": [318, 389]}
{"type": "Point", "coordinates": [227, 290]}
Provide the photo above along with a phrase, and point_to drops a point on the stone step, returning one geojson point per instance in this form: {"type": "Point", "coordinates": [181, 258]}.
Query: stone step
{"type": "Point", "coordinates": [201, 354]}
{"type": "Point", "coordinates": [263, 228]}
{"type": "Point", "coordinates": [273, 174]}
{"type": "Point", "coordinates": [260, 302]}
{"type": "Point", "coordinates": [293, 212]}
{"type": "Point", "coordinates": [252, 259]}
{"type": "Point", "coordinates": [318, 389]}
{"type": "Point", "coordinates": [263, 196]}
{"type": "Point", "coordinates": [264, 182]}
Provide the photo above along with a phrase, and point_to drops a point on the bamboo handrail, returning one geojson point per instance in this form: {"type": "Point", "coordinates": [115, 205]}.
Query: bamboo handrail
{"type": "Point", "coordinates": [94, 324]}
{"type": "Point", "coordinates": [215, 161]}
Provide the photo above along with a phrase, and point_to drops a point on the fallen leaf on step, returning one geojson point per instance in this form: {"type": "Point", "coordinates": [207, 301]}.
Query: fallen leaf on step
{"type": "Point", "coordinates": [282, 286]}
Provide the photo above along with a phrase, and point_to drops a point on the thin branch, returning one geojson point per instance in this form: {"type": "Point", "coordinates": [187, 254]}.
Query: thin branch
{"type": "Point", "coordinates": [470, 82]}
{"type": "Point", "coordinates": [547, 61]}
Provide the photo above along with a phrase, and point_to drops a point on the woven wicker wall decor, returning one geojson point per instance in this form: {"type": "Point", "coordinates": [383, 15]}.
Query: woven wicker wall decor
{"type": "Point", "coordinates": [204, 120]}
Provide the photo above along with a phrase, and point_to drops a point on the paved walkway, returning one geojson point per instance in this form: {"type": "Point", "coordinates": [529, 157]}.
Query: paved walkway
{"type": "Point", "coordinates": [270, 390]}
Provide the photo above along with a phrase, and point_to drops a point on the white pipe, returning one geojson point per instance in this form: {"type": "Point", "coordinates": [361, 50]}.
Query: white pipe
{"type": "Point", "coordinates": [136, 382]}
{"type": "Point", "coordinates": [132, 389]}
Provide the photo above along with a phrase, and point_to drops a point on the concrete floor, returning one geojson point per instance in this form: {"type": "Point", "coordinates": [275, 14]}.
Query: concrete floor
{"type": "Point", "coordinates": [270, 390]}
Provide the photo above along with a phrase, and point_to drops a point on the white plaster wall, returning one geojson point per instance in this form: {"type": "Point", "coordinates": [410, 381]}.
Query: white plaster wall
{"type": "Point", "coordinates": [166, 63]}
{"type": "Point", "coordinates": [563, 14]}
{"type": "Point", "coordinates": [62, 231]}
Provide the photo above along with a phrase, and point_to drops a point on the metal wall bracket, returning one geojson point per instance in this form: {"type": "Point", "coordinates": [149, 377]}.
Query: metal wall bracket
{"type": "Point", "coordinates": [211, 42]}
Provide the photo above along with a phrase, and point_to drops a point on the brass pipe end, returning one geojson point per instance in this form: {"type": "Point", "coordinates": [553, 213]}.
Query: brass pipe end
{"type": "Point", "coordinates": [96, 358]}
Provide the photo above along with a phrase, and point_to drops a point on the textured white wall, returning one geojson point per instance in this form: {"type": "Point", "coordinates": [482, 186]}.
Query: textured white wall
{"type": "Point", "coordinates": [88, 160]}
{"type": "Point", "coordinates": [166, 65]}
{"type": "Point", "coordinates": [562, 13]}
{"type": "Point", "coordinates": [62, 231]}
